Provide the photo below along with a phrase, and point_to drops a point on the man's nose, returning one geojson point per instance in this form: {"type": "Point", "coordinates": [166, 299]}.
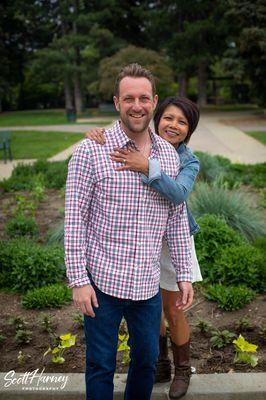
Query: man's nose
{"type": "Point", "coordinates": [137, 105]}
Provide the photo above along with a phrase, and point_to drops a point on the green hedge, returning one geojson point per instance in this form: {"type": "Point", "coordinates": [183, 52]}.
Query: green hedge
{"type": "Point", "coordinates": [52, 296]}
{"type": "Point", "coordinates": [26, 265]}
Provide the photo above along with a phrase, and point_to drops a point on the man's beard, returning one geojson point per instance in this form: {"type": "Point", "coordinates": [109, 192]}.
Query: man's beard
{"type": "Point", "coordinates": [136, 128]}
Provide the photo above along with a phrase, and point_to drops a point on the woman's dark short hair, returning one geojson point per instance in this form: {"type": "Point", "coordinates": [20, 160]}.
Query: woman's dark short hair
{"type": "Point", "coordinates": [189, 109]}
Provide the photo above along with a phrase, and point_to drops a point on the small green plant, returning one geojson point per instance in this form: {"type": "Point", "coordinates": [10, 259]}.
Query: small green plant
{"type": "Point", "coordinates": [243, 324]}
{"type": "Point", "coordinates": [229, 298]}
{"type": "Point", "coordinates": [123, 346]}
{"type": "Point", "coordinates": [204, 326]}
{"type": "Point", "coordinates": [56, 235]}
{"type": "Point", "coordinates": [23, 336]}
{"type": "Point", "coordinates": [24, 206]}
{"type": "Point", "coordinates": [52, 296]}
{"type": "Point", "coordinates": [19, 323]}
{"type": "Point", "coordinates": [79, 320]}
{"type": "Point", "coordinates": [21, 357]}
{"type": "Point", "coordinates": [47, 323]}
{"type": "Point", "coordinates": [64, 342]}
{"type": "Point", "coordinates": [22, 226]}
{"type": "Point", "coordinates": [243, 350]}
{"type": "Point", "coordinates": [221, 339]}
{"type": "Point", "coordinates": [262, 332]}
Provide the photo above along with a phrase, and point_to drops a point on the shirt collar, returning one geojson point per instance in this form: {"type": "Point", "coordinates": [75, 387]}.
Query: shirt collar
{"type": "Point", "coordinates": [123, 140]}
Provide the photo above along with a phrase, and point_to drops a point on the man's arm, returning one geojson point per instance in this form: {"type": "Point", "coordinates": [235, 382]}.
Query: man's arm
{"type": "Point", "coordinates": [79, 189]}
{"type": "Point", "coordinates": [178, 239]}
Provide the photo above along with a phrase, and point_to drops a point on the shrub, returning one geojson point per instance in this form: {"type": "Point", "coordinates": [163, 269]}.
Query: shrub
{"type": "Point", "coordinates": [52, 296]}
{"type": "Point", "coordinates": [221, 338]}
{"type": "Point", "coordinates": [242, 264]}
{"type": "Point", "coordinates": [26, 265]}
{"type": "Point", "coordinates": [214, 236]}
{"type": "Point", "coordinates": [56, 235]}
{"type": "Point", "coordinates": [230, 298]}
{"type": "Point", "coordinates": [231, 205]}
{"type": "Point", "coordinates": [249, 174]}
{"type": "Point", "coordinates": [211, 167]}
{"type": "Point", "coordinates": [49, 174]}
{"type": "Point", "coordinates": [22, 226]}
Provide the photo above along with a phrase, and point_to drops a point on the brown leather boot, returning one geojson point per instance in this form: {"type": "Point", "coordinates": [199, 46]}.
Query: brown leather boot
{"type": "Point", "coordinates": [179, 385]}
{"type": "Point", "coordinates": [163, 365]}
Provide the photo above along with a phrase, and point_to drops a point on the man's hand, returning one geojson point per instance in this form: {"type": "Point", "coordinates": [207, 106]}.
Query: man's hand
{"type": "Point", "coordinates": [84, 298]}
{"type": "Point", "coordinates": [97, 135]}
{"type": "Point", "coordinates": [187, 292]}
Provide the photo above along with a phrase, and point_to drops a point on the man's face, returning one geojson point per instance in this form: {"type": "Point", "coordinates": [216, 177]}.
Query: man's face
{"type": "Point", "coordinates": [135, 104]}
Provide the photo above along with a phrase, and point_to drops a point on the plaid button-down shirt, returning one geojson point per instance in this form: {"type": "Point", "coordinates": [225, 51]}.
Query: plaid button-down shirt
{"type": "Point", "coordinates": [114, 224]}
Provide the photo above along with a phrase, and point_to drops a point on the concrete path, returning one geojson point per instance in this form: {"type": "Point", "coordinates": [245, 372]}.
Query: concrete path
{"type": "Point", "coordinates": [234, 386]}
{"type": "Point", "coordinates": [212, 136]}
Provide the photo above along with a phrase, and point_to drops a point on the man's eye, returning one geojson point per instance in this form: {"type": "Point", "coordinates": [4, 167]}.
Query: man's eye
{"type": "Point", "coordinates": [128, 99]}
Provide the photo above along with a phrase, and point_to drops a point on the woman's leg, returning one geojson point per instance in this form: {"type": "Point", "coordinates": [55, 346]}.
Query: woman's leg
{"type": "Point", "coordinates": [179, 331]}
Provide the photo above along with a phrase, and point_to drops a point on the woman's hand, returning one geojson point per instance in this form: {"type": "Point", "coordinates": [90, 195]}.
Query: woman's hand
{"type": "Point", "coordinates": [97, 135]}
{"type": "Point", "coordinates": [133, 159]}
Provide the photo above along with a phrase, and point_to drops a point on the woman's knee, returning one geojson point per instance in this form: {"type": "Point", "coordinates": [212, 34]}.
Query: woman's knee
{"type": "Point", "coordinates": [174, 316]}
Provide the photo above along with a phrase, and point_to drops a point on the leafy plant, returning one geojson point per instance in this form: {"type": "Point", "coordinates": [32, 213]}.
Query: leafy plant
{"type": "Point", "coordinates": [23, 336]}
{"type": "Point", "coordinates": [204, 326]}
{"type": "Point", "coordinates": [211, 167]}
{"type": "Point", "coordinates": [243, 324]}
{"type": "Point", "coordinates": [19, 323]}
{"type": "Point", "coordinates": [47, 323]}
{"type": "Point", "coordinates": [65, 342]}
{"type": "Point", "coordinates": [214, 236]}
{"type": "Point", "coordinates": [241, 265]}
{"type": "Point", "coordinates": [24, 205]}
{"type": "Point", "coordinates": [229, 298]}
{"type": "Point", "coordinates": [22, 226]}
{"type": "Point", "coordinates": [230, 205]}
{"type": "Point", "coordinates": [52, 296]}
{"type": "Point", "coordinates": [26, 265]}
{"type": "Point", "coordinates": [221, 338]}
{"type": "Point", "coordinates": [123, 346]}
{"type": "Point", "coordinates": [243, 350]}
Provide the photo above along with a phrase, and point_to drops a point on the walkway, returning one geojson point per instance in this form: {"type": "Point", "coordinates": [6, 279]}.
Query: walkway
{"type": "Point", "coordinates": [212, 136]}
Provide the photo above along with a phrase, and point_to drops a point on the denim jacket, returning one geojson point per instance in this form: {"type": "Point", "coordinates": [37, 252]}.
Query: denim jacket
{"type": "Point", "coordinates": [177, 190]}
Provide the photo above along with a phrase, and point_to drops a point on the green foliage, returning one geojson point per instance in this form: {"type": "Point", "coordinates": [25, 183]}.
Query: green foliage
{"type": "Point", "coordinates": [64, 342]}
{"type": "Point", "coordinates": [243, 351]}
{"type": "Point", "coordinates": [243, 324]}
{"type": "Point", "coordinates": [52, 296]}
{"type": "Point", "coordinates": [241, 265]}
{"type": "Point", "coordinates": [214, 236]}
{"type": "Point", "coordinates": [56, 235]}
{"type": "Point", "coordinates": [229, 298]}
{"type": "Point", "coordinates": [204, 326]}
{"type": "Point", "coordinates": [79, 320]}
{"type": "Point", "coordinates": [26, 265]}
{"type": "Point", "coordinates": [221, 338]}
{"type": "Point", "coordinates": [18, 322]}
{"type": "Point", "coordinates": [22, 226]}
{"type": "Point", "coordinates": [231, 205]}
{"type": "Point", "coordinates": [23, 336]}
{"type": "Point", "coordinates": [254, 174]}
{"type": "Point", "coordinates": [47, 323]}
{"type": "Point", "coordinates": [51, 174]}
{"type": "Point", "coordinates": [211, 167]}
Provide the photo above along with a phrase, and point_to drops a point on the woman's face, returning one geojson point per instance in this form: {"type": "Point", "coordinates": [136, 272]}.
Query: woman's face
{"type": "Point", "coordinates": [173, 125]}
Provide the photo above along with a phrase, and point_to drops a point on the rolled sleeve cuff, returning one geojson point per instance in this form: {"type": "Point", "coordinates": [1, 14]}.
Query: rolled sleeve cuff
{"type": "Point", "coordinates": [79, 282]}
{"type": "Point", "coordinates": [154, 172]}
{"type": "Point", "coordinates": [185, 275]}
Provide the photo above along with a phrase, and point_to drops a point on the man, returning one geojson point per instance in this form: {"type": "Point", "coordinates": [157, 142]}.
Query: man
{"type": "Point", "coordinates": [113, 235]}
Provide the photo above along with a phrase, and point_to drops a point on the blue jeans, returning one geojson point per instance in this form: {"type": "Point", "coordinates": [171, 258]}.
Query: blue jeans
{"type": "Point", "coordinates": [143, 321]}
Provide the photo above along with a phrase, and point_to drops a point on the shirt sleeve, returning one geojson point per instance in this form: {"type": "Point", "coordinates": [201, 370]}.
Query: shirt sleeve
{"type": "Point", "coordinates": [176, 190]}
{"type": "Point", "coordinates": [178, 239]}
{"type": "Point", "coordinates": [79, 188]}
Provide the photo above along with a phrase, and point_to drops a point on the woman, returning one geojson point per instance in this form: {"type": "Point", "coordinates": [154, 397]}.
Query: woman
{"type": "Point", "coordinates": [175, 120]}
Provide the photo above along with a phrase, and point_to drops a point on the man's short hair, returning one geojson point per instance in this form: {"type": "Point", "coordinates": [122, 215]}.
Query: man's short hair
{"type": "Point", "coordinates": [134, 70]}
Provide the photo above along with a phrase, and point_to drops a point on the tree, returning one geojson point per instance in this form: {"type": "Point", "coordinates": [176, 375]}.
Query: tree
{"type": "Point", "coordinates": [155, 62]}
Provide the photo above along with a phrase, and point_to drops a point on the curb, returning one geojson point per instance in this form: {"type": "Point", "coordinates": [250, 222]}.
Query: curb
{"type": "Point", "coordinates": [232, 386]}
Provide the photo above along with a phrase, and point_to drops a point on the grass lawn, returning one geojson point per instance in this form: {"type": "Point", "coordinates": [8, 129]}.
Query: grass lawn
{"type": "Point", "coordinates": [32, 144]}
{"type": "Point", "coordinates": [30, 118]}
{"type": "Point", "coordinates": [258, 135]}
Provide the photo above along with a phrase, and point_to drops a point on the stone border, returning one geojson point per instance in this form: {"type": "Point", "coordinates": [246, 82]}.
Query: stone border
{"type": "Point", "coordinates": [231, 386]}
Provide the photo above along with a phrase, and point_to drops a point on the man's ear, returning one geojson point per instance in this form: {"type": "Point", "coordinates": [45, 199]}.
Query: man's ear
{"type": "Point", "coordinates": [116, 103]}
{"type": "Point", "coordinates": [155, 101]}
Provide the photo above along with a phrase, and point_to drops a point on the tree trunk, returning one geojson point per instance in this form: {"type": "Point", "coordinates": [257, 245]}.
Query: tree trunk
{"type": "Point", "coordinates": [78, 93]}
{"type": "Point", "coordinates": [68, 95]}
{"type": "Point", "coordinates": [202, 84]}
{"type": "Point", "coordinates": [182, 84]}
